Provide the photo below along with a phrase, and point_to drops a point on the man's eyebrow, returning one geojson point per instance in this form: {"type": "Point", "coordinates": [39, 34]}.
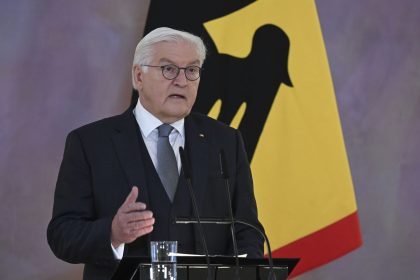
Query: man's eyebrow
{"type": "Point", "coordinates": [166, 60]}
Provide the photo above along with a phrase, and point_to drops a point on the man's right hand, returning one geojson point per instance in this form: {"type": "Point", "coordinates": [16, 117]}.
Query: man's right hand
{"type": "Point", "coordinates": [131, 221]}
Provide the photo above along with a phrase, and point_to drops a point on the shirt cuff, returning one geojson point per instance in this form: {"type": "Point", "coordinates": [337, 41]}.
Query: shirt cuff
{"type": "Point", "coordinates": [118, 252]}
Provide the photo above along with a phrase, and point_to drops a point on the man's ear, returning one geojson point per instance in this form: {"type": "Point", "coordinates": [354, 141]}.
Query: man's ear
{"type": "Point", "coordinates": [138, 78]}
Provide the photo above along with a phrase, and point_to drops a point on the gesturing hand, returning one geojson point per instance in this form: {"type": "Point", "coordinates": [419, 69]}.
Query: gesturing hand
{"type": "Point", "coordinates": [131, 220]}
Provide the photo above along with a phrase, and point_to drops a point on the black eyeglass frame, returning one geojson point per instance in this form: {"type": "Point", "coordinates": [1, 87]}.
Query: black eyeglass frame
{"type": "Point", "coordinates": [162, 67]}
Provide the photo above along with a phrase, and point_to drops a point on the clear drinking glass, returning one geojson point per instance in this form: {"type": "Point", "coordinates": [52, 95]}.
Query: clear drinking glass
{"type": "Point", "coordinates": [163, 257]}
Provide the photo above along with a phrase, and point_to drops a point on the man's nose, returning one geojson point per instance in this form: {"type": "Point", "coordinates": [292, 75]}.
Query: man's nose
{"type": "Point", "coordinates": [181, 79]}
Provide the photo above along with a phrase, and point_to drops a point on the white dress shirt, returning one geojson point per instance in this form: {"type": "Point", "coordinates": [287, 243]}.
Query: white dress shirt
{"type": "Point", "coordinates": [149, 131]}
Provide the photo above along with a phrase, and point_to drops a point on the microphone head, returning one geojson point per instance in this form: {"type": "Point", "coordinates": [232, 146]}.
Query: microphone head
{"type": "Point", "coordinates": [185, 164]}
{"type": "Point", "coordinates": [223, 166]}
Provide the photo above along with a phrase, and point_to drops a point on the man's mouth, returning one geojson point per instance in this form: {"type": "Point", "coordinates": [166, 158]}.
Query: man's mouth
{"type": "Point", "coordinates": [177, 96]}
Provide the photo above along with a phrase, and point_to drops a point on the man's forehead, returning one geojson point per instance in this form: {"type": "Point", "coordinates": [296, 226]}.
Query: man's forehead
{"type": "Point", "coordinates": [176, 52]}
{"type": "Point", "coordinates": [169, 61]}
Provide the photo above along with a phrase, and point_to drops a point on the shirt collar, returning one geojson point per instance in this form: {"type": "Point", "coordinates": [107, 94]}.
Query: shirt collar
{"type": "Point", "coordinates": [148, 122]}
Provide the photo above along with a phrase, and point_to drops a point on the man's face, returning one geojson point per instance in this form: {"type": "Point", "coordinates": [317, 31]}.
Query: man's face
{"type": "Point", "coordinates": [168, 100]}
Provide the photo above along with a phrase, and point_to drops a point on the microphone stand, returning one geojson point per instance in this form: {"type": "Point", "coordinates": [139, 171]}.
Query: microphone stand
{"type": "Point", "coordinates": [187, 174]}
{"type": "Point", "coordinates": [225, 175]}
{"type": "Point", "coordinates": [224, 221]}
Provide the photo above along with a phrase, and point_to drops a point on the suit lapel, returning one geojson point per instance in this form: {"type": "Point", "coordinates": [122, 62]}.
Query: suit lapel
{"type": "Point", "coordinates": [197, 147]}
{"type": "Point", "coordinates": [127, 147]}
{"type": "Point", "coordinates": [198, 150]}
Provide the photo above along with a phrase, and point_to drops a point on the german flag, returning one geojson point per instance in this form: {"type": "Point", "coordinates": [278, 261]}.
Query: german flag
{"type": "Point", "coordinates": [267, 74]}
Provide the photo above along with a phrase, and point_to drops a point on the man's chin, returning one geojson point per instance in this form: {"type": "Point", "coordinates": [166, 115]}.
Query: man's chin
{"type": "Point", "coordinates": [174, 116]}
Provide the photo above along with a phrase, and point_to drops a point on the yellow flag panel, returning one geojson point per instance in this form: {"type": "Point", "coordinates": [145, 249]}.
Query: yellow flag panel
{"type": "Point", "coordinates": [300, 167]}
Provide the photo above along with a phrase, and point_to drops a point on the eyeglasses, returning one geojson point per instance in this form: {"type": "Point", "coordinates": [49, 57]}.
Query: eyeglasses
{"type": "Point", "coordinates": [171, 71]}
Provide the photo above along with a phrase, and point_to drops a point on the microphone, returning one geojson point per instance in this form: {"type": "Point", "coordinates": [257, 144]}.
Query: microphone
{"type": "Point", "coordinates": [218, 220]}
{"type": "Point", "coordinates": [225, 175]}
{"type": "Point", "coordinates": [187, 174]}
{"type": "Point", "coordinates": [231, 221]}
{"type": "Point", "coordinates": [224, 221]}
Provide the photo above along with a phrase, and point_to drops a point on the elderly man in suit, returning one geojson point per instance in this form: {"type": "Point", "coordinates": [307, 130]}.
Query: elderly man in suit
{"type": "Point", "coordinates": [120, 183]}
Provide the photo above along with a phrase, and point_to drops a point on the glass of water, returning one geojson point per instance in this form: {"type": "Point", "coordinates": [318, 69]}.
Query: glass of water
{"type": "Point", "coordinates": [163, 257]}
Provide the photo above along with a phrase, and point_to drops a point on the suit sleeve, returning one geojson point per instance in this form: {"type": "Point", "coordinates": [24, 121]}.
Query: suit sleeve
{"type": "Point", "coordinates": [245, 207]}
{"type": "Point", "coordinates": [75, 234]}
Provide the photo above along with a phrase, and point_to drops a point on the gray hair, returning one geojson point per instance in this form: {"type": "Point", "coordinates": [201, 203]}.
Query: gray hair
{"type": "Point", "coordinates": [144, 51]}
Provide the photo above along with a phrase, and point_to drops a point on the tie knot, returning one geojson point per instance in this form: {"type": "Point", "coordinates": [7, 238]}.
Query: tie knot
{"type": "Point", "coordinates": [164, 130]}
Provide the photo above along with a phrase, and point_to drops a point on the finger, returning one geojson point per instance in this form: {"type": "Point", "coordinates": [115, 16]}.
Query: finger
{"type": "Point", "coordinates": [143, 231]}
{"type": "Point", "coordinates": [133, 234]}
{"type": "Point", "coordinates": [142, 224]}
{"type": "Point", "coordinates": [138, 216]}
{"type": "Point", "coordinates": [132, 196]}
{"type": "Point", "coordinates": [137, 206]}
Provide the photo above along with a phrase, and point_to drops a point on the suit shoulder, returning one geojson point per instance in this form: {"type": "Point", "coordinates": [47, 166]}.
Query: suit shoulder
{"type": "Point", "coordinates": [206, 121]}
{"type": "Point", "coordinates": [100, 127]}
